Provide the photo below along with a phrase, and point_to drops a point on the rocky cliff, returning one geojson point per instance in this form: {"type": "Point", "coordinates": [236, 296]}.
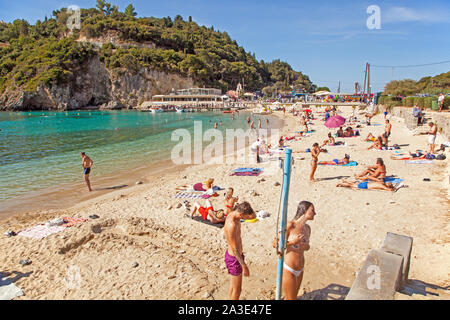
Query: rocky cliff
{"type": "Point", "coordinates": [94, 85]}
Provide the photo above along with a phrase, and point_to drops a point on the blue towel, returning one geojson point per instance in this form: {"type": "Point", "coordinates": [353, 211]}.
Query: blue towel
{"type": "Point", "coordinates": [350, 164]}
{"type": "Point", "coordinates": [392, 180]}
{"type": "Point", "coordinates": [248, 170]}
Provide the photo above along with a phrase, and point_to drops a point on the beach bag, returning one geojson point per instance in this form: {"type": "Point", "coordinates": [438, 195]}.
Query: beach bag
{"type": "Point", "coordinates": [396, 146]}
{"type": "Point", "coordinates": [430, 156]}
{"type": "Point", "coordinates": [441, 157]}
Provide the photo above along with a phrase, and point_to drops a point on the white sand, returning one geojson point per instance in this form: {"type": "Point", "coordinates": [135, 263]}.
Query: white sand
{"type": "Point", "coordinates": [183, 259]}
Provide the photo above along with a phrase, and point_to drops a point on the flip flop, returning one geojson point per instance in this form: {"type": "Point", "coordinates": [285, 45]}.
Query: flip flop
{"type": "Point", "coordinates": [94, 216]}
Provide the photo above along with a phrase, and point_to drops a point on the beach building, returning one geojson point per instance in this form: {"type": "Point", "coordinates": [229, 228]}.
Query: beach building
{"type": "Point", "coordinates": [192, 96]}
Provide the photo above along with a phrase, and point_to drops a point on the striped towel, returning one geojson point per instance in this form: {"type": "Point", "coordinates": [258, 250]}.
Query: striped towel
{"type": "Point", "coordinates": [187, 195]}
{"type": "Point", "coordinates": [418, 161]}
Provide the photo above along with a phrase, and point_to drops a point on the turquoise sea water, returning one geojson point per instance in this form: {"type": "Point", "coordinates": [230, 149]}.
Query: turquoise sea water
{"type": "Point", "coordinates": [42, 149]}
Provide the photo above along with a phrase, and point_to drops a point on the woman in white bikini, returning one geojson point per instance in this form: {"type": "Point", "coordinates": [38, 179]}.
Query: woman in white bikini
{"type": "Point", "coordinates": [297, 235]}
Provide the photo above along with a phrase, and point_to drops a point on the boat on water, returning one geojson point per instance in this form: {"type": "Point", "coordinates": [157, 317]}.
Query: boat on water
{"type": "Point", "coordinates": [156, 110]}
{"type": "Point", "coordinates": [180, 110]}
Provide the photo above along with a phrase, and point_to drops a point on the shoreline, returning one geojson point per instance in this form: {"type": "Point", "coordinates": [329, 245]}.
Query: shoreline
{"type": "Point", "coordinates": [70, 194]}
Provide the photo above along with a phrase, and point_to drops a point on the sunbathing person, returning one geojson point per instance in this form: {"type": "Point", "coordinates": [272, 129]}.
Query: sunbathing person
{"type": "Point", "coordinates": [344, 161]}
{"type": "Point", "coordinates": [330, 141]}
{"type": "Point", "coordinates": [198, 186]}
{"type": "Point", "coordinates": [408, 156]}
{"type": "Point", "coordinates": [367, 185]}
{"type": "Point", "coordinates": [208, 212]}
{"type": "Point", "coordinates": [378, 145]}
{"type": "Point", "coordinates": [370, 137]}
{"type": "Point", "coordinates": [340, 132]}
{"type": "Point", "coordinates": [375, 173]}
{"type": "Point", "coordinates": [230, 201]}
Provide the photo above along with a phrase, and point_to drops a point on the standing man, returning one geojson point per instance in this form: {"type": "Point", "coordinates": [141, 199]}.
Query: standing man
{"type": "Point", "coordinates": [234, 256]}
{"type": "Point", "coordinates": [432, 136]}
{"type": "Point", "coordinates": [387, 132]}
{"type": "Point", "coordinates": [441, 101]}
{"type": "Point", "coordinates": [87, 164]}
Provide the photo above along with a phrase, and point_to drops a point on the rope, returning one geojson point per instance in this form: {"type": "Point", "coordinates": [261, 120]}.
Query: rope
{"type": "Point", "coordinates": [412, 65]}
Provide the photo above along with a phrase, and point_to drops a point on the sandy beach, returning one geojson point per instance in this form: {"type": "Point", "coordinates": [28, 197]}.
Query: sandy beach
{"type": "Point", "coordinates": [179, 258]}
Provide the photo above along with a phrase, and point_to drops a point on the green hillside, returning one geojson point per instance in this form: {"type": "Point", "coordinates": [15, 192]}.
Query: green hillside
{"type": "Point", "coordinates": [47, 52]}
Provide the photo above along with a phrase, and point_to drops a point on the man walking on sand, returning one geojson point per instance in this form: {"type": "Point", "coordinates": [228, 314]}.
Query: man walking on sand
{"type": "Point", "coordinates": [87, 164]}
{"type": "Point", "coordinates": [432, 136]}
{"type": "Point", "coordinates": [315, 159]}
{"type": "Point", "coordinates": [234, 256]}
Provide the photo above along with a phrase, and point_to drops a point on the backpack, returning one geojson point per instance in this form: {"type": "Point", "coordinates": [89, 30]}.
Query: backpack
{"type": "Point", "coordinates": [430, 156]}
{"type": "Point", "coordinates": [441, 157]}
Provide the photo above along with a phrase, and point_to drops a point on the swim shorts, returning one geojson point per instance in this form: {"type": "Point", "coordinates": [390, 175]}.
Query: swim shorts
{"type": "Point", "coordinates": [431, 139]}
{"type": "Point", "coordinates": [336, 161]}
{"type": "Point", "coordinates": [233, 265]}
{"type": "Point", "coordinates": [363, 185]}
{"type": "Point", "coordinates": [87, 170]}
{"type": "Point", "coordinates": [205, 211]}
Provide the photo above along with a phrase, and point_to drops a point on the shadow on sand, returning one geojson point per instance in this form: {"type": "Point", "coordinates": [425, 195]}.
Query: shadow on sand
{"type": "Point", "coordinates": [333, 178]}
{"type": "Point", "coordinates": [115, 187]}
{"type": "Point", "coordinates": [422, 288]}
{"type": "Point", "coordinates": [331, 292]}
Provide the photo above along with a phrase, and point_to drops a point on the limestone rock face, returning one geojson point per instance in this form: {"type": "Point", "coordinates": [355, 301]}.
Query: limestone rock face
{"type": "Point", "coordinates": [94, 86]}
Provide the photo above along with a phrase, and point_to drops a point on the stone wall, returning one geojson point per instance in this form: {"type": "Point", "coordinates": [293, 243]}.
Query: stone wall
{"type": "Point", "coordinates": [442, 119]}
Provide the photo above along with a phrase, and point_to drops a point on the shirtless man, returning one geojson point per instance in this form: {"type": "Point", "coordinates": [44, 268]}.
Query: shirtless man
{"type": "Point", "coordinates": [230, 201]}
{"type": "Point", "coordinates": [315, 158]}
{"type": "Point", "coordinates": [375, 173]}
{"type": "Point", "coordinates": [234, 256]}
{"type": "Point", "coordinates": [369, 185]}
{"type": "Point", "coordinates": [432, 136]}
{"type": "Point", "coordinates": [330, 141]}
{"type": "Point", "coordinates": [87, 164]}
{"type": "Point", "coordinates": [387, 132]}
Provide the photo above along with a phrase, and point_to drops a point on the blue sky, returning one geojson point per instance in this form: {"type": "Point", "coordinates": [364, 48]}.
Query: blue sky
{"type": "Point", "coordinates": [327, 40]}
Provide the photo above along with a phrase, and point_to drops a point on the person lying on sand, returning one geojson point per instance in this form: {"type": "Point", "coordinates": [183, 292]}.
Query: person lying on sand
{"type": "Point", "coordinates": [230, 201]}
{"type": "Point", "coordinates": [375, 173]}
{"type": "Point", "coordinates": [368, 185]}
{"type": "Point", "coordinates": [297, 234]}
{"type": "Point", "coordinates": [378, 145]}
{"type": "Point", "coordinates": [370, 137]}
{"type": "Point", "coordinates": [198, 186]}
{"type": "Point", "coordinates": [346, 160]}
{"type": "Point", "coordinates": [208, 212]}
{"type": "Point", "coordinates": [340, 133]}
{"type": "Point", "coordinates": [408, 156]}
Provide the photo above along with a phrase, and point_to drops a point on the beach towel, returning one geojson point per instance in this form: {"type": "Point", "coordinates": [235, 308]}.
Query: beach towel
{"type": "Point", "coordinates": [424, 161]}
{"type": "Point", "coordinates": [188, 195]}
{"type": "Point", "coordinates": [71, 221]}
{"type": "Point", "coordinates": [350, 164]}
{"type": "Point", "coordinates": [40, 231]}
{"type": "Point", "coordinates": [248, 169]}
{"type": "Point", "coordinates": [338, 145]}
{"type": "Point", "coordinates": [8, 290]}
{"type": "Point", "coordinates": [200, 219]}
{"type": "Point", "coordinates": [246, 174]}
{"type": "Point", "coordinates": [392, 180]}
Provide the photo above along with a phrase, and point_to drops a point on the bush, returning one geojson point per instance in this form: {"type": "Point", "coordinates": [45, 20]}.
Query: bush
{"type": "Point", "coordinates": [447, 103]}
{"type": "Point", "coordinates": [409, 101]}
{"type": "Point", "coordinates": [419, 101]}
{"type": "Point", "coordinates": [427, 102]}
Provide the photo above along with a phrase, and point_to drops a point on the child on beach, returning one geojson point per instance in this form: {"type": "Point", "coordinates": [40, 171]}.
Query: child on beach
{"type": "Point", "coordinates": [297, 234]}
{"type": "Point", "coordinates": [230, 201]}
{"type": "Point", "coordinates": [234, 256]}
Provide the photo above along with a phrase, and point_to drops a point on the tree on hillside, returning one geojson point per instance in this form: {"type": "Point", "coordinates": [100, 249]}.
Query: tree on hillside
{"type": "Point", "coordinates": [130, 11]}
{"type": "Point", "coordinates": [101, 4]}
{"type": "Point", "coordinates": [323, 89]}
{"type": "Point", "coordinates": [401, 87]}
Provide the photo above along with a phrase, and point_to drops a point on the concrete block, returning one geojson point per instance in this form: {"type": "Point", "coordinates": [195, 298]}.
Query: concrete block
{"type": "Point", "coordinates": [379, 277]}
{"type": "Point", "coordinates": [399, 245]}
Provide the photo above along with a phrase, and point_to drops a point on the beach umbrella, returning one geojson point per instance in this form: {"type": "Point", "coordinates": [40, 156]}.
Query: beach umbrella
{"type": "Point", "coordinates": [335, 122]}
{"type": "Point", "coordinates": [307, 110]}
